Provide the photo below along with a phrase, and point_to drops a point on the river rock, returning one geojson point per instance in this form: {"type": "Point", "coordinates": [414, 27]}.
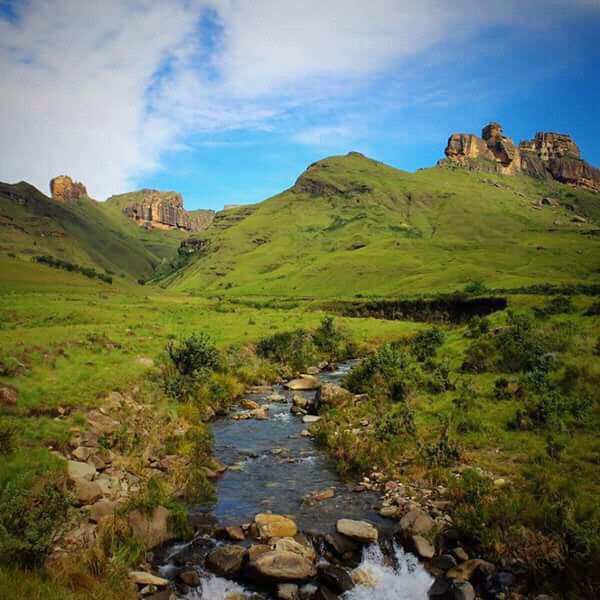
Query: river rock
{"type": "Point", "coordinates": [331, 395]}
{"type": "Point", "coordinates": [466, 570]}
{"type": "Point", "coordinates": [304, 383]}
{"type": "Point", "coordinates": [189, 577]}
{"type": "Point", "coordinates": [287, 591]}
{"type": "Point", "coordinates": [153, 529]}
{"type": "Point", "coordinates": [358, 530]}
{"type": "Point", "coordinates": [460, 554]}
{"type": "Point", "coordinates": [324, 593]}
{"type": "Point", "coordinates": [319, 496]}
{"type": "Point", "coordinates": [235, 533]}
{"type": "Point", "coordinates": [463, 590]}
{"type": "Point", "coordinates": [275, 397]}
{"type": "Point", "coordinates": [226, 561]}
{"type": "Point", "coordinates": [310, 419]}
{"type": "Point", "coordinates": [341, 545]}
{"type": "Point", "coordinates": [390, 512]}
{"type": "Point", "coordinates": [281, 565]}
{"type": "Point", "coordinates": [86, 492]}
{"type": "Point", "coordinates": [102, 510]}
{"type": "Point", "coordinates": [290, 545]}
{"type": "Point", "coordinates": [144, 578]}
{"type": "Point", "coordinates": [363, 577]}
{"type": "Point", "coordinates": [423, 547]}
{"type": "Point", "coordinates": [256, 550]}
{"type": "Point", "coordinates": [79, 470]}
{"type": "Point", "coordinates": [300, 401]}
{"type": "Point", "coordinates": [249, 404]}
{"type": "Point", "coordinates": [274, 526]}
{"type": "Point", "coordinates": [441, 589]}
{"type": "Point", "coordinates": [335, 578]}
{"type": "Point", "coordinates": [416, 522]}
{"type": "Point", "coordinates": [445, 562]}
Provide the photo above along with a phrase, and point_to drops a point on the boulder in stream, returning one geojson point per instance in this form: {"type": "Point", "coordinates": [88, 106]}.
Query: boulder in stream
{"type": "Point", "coordinates": [360, 531]}
{"type": "Point", "coordinates": [306, 382]}
{"type": "Point", "coordinates": [274, 526]}
{"type": "Point", "coordinates": [226, 561]}
{"type": "Point", "coordinates": [281, 565]}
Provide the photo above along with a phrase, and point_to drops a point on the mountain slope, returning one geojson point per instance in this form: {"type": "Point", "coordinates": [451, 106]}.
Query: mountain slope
{"type": "Point", "coordinates": [84, 232]}
{"type": "Point", "coordinates": [351, 225]}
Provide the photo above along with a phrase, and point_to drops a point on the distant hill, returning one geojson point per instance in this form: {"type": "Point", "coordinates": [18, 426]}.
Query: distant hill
{"type": "Point", "coordinates": [355, 226]}
{"type": "Point", "coordinates": [80, 230]}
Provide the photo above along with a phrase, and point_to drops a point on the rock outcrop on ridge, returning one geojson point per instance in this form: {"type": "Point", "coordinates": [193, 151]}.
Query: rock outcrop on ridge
{"type": "Point", "coordinates": [547, 156]}
{"type": "Point", "coordinates": [63, 189]}
{"type": "Point", "coordinates": [164, 210]}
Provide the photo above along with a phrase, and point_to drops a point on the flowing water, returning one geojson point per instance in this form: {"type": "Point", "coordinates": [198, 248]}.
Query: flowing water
{"type": "Point", "coordinates": [272, 467]}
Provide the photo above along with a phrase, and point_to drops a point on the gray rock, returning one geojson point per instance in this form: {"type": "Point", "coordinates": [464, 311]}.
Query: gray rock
{"type": "Point", "coordinates": [335, 578]}
{"type": "Point", "coordinates": [463, 590]}
{"type": "Point", "coordinates": [226, 560]}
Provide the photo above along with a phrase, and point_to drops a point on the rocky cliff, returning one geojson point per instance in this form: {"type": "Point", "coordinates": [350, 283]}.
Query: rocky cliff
{"type": "Point", "coordinates": [64, 189]}
{"type": "Point", "coordinates": [164, 210]}
{"type": "Point", "coordinates": [547, 155]}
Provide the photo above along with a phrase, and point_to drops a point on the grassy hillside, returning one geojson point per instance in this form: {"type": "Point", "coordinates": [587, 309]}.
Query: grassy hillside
{"type": "Point", "coordinates": [354, 226]}
{"type": "Point", "coordinates": [86, 233]}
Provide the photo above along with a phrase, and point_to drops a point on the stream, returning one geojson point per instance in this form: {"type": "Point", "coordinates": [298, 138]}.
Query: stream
{"type": "Point", "coordinates": [272, 467]}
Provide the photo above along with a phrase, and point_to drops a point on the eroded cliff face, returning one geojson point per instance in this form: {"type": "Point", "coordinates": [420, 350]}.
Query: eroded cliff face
{"type": "Point", "coordinates": [547, 155]}
{"type": "Point", "coordinates": [64, 189]}
{"type": "Point", "coordinates": [164, 210]}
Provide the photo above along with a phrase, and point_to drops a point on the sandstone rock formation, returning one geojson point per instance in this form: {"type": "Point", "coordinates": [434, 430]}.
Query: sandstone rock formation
{"type": "Point", "coordinates": [64, 189]}
{"type": "Point", "coordinates": [164, 210]}
{"type": "Point", "coordinates": [547, 156]}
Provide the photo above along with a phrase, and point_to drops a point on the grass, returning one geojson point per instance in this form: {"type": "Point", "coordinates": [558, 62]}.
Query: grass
{"type": "Point", "coordinates": [378, 231]}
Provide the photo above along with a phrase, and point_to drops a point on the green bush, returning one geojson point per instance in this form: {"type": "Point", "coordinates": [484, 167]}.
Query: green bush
{"type": "Point", "coordinates": [556, 306]}
{"type": "Point", "coordinates": [438, 377]}
{"type": "Point", "coordinates": [195, 355]}
{"type": "Point", "coordinates": [424, 344]}
{"type": "Point", "coordinates": [29, 517]}
{"type": "Point", "coordinates": [501, 389]}
{"type": "Point", "coordinates": [399, 420]}
{"type": "Point", "coordinates": [444, 452]}
{"type": "Point", "coordinates": [294, 349]}
{"type": "Point", "coordinates": [477, 326]}
{"type": "Point", "coordinates": [390, 373]}
{"type": "Point", "coordinates": [332, 343]}
{"type": "Point", "coordinates": [481, 356]}
{"type": "Point", "coordinates": [593, 310]}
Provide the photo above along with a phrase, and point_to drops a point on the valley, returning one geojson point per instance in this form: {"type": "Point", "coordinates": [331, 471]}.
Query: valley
{"type": "Point", "coordinates": [418, 353]}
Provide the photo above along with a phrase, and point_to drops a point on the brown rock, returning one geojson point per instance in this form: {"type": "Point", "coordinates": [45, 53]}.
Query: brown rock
{"type": "Point", "coordinates": [101, 423]}
{"type": "Point", "coordinates": [64, 189]}
{"type": "Point", "coordinates": [274, 526]}
{"type": "Point", "coordinates": [235, 533]}
{"type": "Point", "coordinates": [283, 566]}
{"type": "Point", "coordinates": [80, 470]}
{"type": "Point", "coordinates": [360, 531]}
{"type": "Point", "coordinates": [164, 210]}
{"type": "Point", "coordinates": [226, 561]}
{"type": "Point", "coordinates": [304, 383]}
{"type": "Point", "coordinates": [331, 395]}
{"type": "Point", "coordinates": [416, 522]}
{"type": "Point", "coordinates": [153, 529]}
{"type": "Point", "coordinates": [103, 509]}
{"type": "Point", "coordinates": [86, 492]}
{"type": "Point", "coordinates": [256, 550]}
{"type": "Point", "coordinates": [466, 570]}
{"type": "Point", "coordinates": [143, 578]}
{"type": "Point", "coordinates": [189, 577]}
{"type": "Point", "coordinates": [423, 547]}
{"type": "Point", "coordinates": [249, 404]}
{"type": "Point", "coordinates": [290, 545]}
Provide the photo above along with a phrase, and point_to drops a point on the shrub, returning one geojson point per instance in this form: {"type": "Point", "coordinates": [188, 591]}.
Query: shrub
{"type": "Point", "coordinates": [400, 419]}
{"type": "Point", "coordinates": [475, 288]}
{"type": "Point", "coordinates": [501, 389]}
{"type": "Point", "coordinates": [425, 343]}
{"type": "Point", "coordinates": [389, 373]}
{"type": "Point", "coordinates": [438, 379]}
{"type": "Point", "coordinates": [481, 356]}
{"type": "Point", "coordinates": [295, 349]}
{"type": "Point", "coordinates": [444, 452]}
{"type": "Point", "coordinates": [7, 435]}
{"type": "Point", "coordinates": [556, 306]}
{"type": "Point", "coordinates": [195, 355]}
{"type": "Point", "coordinates": [593, 310]}
{"type": "Point", "coordinates": [29, 517]}
{"type": "Point", "coordinates": [477, 326]}
{"type": "Point", "coordinates": [331, 342]}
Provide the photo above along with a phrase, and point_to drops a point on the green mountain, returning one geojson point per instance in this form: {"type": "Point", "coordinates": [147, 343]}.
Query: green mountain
{"type": "Point", "coordinates": [82, 231]}
{"type": "Point", "coordinates": [354, 226]}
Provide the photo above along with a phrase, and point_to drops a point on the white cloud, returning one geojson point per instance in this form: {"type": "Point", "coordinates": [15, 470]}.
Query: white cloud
{"type": "Point", "coordinates": [101, 90]}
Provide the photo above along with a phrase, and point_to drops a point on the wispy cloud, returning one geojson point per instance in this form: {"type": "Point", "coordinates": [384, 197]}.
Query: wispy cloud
{"type": "Point", "coordinates": [102, 90]}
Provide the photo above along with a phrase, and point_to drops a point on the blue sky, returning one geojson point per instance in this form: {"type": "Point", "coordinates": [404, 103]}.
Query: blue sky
{"type": "Point", "coordinates": [228, 101]}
